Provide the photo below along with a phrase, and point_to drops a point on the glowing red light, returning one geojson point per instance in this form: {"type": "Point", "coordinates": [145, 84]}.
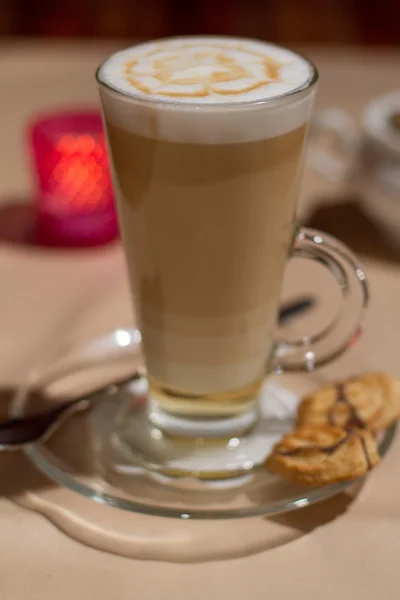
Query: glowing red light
{"type": "Point", "coordinates": [73, 170]}
{"type": "Point", "coordinates": [81, 171]}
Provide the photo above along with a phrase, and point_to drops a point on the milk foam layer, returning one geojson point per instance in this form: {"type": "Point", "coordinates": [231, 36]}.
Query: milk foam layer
{"type": "Point", "coordinates": [206, 90]}
{"type": "Point", "coordinates": [206, 70]}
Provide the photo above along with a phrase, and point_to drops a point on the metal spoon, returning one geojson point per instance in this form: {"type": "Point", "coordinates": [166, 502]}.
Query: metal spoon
{"type": "Point", "coordinates": [17, 433]}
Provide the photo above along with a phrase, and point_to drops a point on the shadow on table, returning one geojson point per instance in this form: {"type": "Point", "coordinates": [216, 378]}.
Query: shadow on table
{"type": "Point", "coordinates": [16, 474]}
{"type": "Point", "coordinates": [348, 221]}
{"type": "Point", "coordinates": [17, 222]}
{"type": "Point", "coordinates": [18, 228]}
{"type": "Point", "coordinates": [306, 519]}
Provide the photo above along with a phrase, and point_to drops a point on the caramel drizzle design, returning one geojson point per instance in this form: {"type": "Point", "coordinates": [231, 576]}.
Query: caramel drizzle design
{"type": "Point", "coordinates": [227, 69]}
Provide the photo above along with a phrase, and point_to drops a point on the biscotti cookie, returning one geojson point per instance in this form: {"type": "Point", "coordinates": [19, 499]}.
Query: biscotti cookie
{"type": "Point", "coordinates": [324, 454]}
{"type": "Point", "coordinates": [371, 400]}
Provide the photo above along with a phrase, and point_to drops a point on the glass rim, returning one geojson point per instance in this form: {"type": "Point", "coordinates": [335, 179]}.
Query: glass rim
{"type": "Point", "coordinates": [285, 97]}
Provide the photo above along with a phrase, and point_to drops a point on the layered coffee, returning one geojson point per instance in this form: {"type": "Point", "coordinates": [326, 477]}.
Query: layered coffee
{"type": "Point", "coordinates": [206, 137]}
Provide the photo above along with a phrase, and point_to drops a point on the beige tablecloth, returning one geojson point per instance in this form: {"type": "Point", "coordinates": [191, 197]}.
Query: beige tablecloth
{"type": "Point", "coordinates": [47, 297]}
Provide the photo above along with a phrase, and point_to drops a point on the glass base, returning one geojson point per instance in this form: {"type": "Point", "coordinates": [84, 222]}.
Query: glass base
{"type": "Point", "coordinates": [208, 449]}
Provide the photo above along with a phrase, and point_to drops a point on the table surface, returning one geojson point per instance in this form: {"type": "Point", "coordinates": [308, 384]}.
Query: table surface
{"type": "Point", "coordinates": [47, 297]}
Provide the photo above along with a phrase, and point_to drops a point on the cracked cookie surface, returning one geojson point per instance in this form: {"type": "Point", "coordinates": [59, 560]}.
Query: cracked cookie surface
{"type": "Point", "coordinates": [371, 400]}
{"type": "Point", "coordinates": [324, 454]}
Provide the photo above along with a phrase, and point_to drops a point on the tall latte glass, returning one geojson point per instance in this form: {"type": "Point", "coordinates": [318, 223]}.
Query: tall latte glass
{"type": "Point", "coordinates": [207, 140]}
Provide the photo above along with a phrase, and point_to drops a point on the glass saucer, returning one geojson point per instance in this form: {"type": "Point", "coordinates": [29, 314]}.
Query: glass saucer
{"type": "Point", "coordinates": [88, 453]}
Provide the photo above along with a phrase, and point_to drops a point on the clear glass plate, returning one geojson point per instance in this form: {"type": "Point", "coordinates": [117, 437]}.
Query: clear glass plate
{"type": "Point", "coordinates": [85, 453]}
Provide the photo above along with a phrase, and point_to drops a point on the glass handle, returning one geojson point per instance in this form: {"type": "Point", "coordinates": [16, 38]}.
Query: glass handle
{"type": "Point", "coordinates": [308, 353]}
{"type": "Point", "coordinates": [334, 143]}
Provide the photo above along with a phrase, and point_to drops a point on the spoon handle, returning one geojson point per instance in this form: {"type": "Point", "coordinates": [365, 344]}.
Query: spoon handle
{"type": "Point", "coordinates": [16, 433]}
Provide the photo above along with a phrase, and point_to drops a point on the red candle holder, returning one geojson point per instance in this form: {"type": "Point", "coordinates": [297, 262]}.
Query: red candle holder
{"type": "Point", "coordinates": [75, 203]}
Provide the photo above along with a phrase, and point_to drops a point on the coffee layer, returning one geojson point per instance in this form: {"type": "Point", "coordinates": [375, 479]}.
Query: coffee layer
{"type": "Point", "coordinates": [206, 232]}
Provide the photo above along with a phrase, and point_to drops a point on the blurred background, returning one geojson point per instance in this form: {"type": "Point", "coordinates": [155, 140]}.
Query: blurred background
{"type": "Point", "coordinates": [358, 22]}
{"type": "Point", "coordinates": [59, 43]}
